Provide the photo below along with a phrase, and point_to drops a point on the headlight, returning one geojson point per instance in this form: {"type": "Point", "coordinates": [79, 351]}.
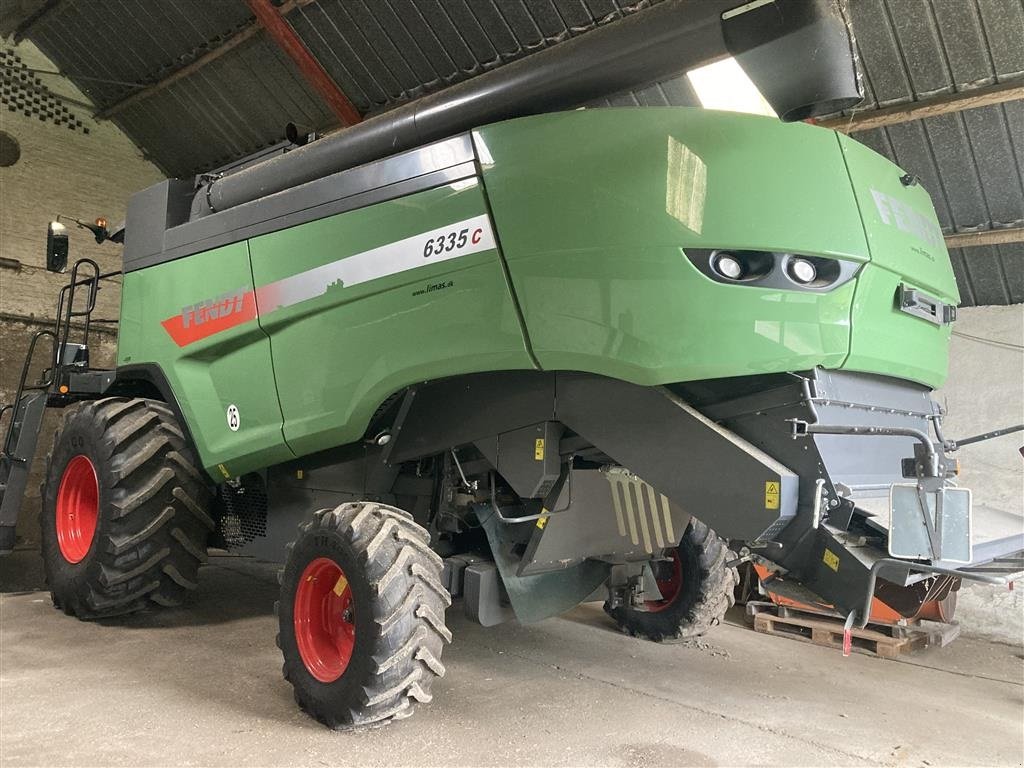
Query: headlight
{"type": "Point", "coordinates": [728, 266]}
{"type": "Point", "coordinates": [802, 270]}
{"type": "Point", "coordinates": [768, 269]}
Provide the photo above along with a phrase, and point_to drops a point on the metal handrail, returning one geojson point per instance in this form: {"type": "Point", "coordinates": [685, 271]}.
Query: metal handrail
{"type": "Point", "coordinates": [58, 338]}
{"type": "Point", "coordinates": [42, 385]}
{"type": "Point", "coordinates": [66, 306]}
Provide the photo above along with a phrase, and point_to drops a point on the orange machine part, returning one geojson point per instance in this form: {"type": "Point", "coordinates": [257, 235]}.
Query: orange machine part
{"type": "Point", "coordinates": [881, 613]}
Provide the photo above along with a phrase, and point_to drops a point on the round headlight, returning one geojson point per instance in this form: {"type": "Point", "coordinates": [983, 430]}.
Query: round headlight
{"type": "Point", "coordinates": [802, 270]}
{"type": "Point", "coordinates": [729, 266]}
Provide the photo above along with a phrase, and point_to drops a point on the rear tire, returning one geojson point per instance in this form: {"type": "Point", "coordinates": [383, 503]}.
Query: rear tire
{"type": "Point", "coordinates": [701, 591]}
{"type": "Point", "coordinates": [124, 510]}
{"type": "Point", "coordinates": [365, 646]}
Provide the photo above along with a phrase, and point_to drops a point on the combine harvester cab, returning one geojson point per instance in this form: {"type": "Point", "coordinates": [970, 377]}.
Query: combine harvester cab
{"type": "Point", "coordinates": [478, 347]}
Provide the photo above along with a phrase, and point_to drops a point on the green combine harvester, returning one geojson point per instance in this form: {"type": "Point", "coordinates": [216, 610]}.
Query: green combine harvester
{"type": "Point", "coordinates": [478, 347]}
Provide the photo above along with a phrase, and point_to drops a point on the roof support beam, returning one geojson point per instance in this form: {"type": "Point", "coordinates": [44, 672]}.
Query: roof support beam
{"type": "Point", "coordinates": [246, 33]}
{"type": "Point", "coordinates": [312, 70]}
{"type": "Point", "coordinates": [34, 18]}
{"type": "Point", "coordinates": [918, 110]}
{"type": "Point", "coordinates": [986, 237]}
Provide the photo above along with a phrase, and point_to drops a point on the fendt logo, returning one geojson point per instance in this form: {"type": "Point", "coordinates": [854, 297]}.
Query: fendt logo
{"type": "Point", "coordinates": [213, 309]}
{"type": "Point", "coordinates": [210, 316]}
{"type": "Point", "coordinates": [898, 214]}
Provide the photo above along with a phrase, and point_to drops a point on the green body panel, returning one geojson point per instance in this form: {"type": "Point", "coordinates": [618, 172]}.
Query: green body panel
{"type": "Point", "coordinates": [338, 356]}
{"type": "Point", "coordinates": [890, 342]}
{"type": "Point", "coordinates": [593, 209]}
{"type": "Point", "coordinates": [601, 276]}
{"type": "Point", "coordinates": [899, 219]}
{"type": "Point", "coordinates": [906, 246]}
{"type": "Point", "coordinates": [591, 212]}
{"type": "Point", "coordinates": [232, 367]}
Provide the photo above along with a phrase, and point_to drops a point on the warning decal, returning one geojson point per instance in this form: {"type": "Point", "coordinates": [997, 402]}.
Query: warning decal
{"type": "Point", "coordinates": [831, 559]}
{"type": "Point", "coordinates": [339, 587]}
{"type": "Point", "coordinates": [771, 495]}
{"type": "Point", "coordinates": [538, 449]}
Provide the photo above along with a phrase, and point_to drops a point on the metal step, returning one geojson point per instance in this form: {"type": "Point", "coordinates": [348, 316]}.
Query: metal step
{"type": "Point", "coordinates": [19, 448]}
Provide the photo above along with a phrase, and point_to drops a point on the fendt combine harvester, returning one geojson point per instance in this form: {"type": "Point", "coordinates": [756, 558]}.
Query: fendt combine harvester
{"type": "Point", "coordinates": [480, 347]}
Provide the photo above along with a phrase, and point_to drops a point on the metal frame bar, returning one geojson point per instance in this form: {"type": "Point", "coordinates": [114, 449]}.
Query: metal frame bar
{"type": "Point", "coordinates": [903, 565]}
{"type": "Point", "coordinates": [34, 18]}
{"type": "Point", "coordinates": [985, 237]}
{"type": "Point", "coordinates": [918, 110]}
{"type": "Point", "coordinates": [311, 69]}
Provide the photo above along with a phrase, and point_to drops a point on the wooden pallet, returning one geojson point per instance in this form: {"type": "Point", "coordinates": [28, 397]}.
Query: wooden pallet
{"type": "Point", "coordinates": [887, 642]}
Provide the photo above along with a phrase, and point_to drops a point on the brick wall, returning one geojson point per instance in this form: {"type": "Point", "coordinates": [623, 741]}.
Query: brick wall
{"type": "Point", "coordinates": [69, 164]}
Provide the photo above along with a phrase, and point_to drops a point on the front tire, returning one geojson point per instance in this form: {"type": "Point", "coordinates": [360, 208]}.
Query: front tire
{"type": "Point", "coordinates": [361, 615]}
{"type": "Point", "coordinates": [124, 515]}
{"type": "Point", "coordinates": [697, 589]}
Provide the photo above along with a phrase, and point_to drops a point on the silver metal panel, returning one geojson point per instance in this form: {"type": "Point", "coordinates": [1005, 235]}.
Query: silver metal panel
{"type": "Point", "coordinates": [908, 532]}
{"type": "Point", "coordinates": [866, 463]}
{"type": "Point", "coordinates": [608, 514]}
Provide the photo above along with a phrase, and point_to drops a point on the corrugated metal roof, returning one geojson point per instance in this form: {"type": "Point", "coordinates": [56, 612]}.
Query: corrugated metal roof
{"type": "Point", "coordinates": [380, 52]}
{"type": "Point", "coordinates": [384, 52]}
{"type": "Point", "coordinates": [990, 274]}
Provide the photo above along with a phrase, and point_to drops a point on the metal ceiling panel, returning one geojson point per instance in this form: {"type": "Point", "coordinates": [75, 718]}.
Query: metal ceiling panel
{"type": "Point", "coordinates": [990, 274]}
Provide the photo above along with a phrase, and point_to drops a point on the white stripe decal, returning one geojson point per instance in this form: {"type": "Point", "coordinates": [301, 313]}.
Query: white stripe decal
{"type": "Point", "coordinates": [745, 9]}
{"type": "Point", "coordinates": [461, 238]}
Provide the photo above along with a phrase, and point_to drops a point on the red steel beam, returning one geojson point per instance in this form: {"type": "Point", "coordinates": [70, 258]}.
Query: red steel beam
{"type": "Point", "coordinates": [314, 73]}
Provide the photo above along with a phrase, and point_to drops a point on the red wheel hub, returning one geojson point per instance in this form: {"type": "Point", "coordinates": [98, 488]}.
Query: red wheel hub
{"type": "Point", "coordinates": [78, 505]}
{"type": "Point", "coordinates": [325, 629]}
{"type": "Point", "coordinates": [669, 585]}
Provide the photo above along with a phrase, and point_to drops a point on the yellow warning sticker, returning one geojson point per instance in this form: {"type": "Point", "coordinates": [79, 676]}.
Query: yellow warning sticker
{"type": "Point", "coordinates": [831, 559]}
{"type": "Point", "coordinates": [543, 519]}
{"type": "Point", "coordinates": [224, 471]}
{"type": "Point", "coordinates": [339, 588]}
{"type": "Point", "coordinates": [299, 474]}
{"type": "Point", "coordinates": [538, 449]}
{"type": "Point", "coordinates": [771, 495]}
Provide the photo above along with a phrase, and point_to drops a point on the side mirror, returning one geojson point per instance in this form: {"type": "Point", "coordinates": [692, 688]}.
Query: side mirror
{"type": "Point", "coordinates": [56, 247]}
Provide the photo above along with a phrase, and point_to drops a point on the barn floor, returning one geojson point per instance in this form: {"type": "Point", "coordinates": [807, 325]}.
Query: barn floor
{"type": "Point", "coordinates": [202, 686]}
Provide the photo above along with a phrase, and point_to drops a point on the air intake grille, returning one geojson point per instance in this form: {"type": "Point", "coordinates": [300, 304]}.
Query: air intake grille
{"type": "Point", "coordinates": [245, 511]}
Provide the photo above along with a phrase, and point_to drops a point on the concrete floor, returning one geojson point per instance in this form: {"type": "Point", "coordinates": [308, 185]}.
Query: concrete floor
{"type": "Point", "coordinates": [202, 686]}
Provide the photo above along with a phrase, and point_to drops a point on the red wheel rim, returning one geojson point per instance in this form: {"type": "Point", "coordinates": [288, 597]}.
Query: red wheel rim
{"type": "Point", "coordinates": [78, 505]}
{"type": "Point", "coordinates": [669, 587]}
{"type": "Point", "coordinates": [325, 629]}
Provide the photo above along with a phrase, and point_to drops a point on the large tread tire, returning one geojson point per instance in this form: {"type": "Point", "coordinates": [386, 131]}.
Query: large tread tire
{"type": "Point", "coordinates": [706, 592]}
{"type": "Point", "coordinates": [153, 517]}
{"type": "Point", "coordinates": [399, 603]}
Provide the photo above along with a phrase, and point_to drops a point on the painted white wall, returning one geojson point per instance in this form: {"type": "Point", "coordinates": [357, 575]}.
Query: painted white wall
{"type": "Point", "coordinates": [985, 391]}
{"type": "Point", "coordinates": [61, 171]}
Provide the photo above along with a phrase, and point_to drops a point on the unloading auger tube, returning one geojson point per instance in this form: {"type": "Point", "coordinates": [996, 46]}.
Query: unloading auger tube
{"type": "Point", "coordinates": [768, 40]}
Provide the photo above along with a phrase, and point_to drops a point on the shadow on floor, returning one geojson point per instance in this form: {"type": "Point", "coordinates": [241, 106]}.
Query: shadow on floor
{"type": "Point", "coordinates": [247, 589]}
